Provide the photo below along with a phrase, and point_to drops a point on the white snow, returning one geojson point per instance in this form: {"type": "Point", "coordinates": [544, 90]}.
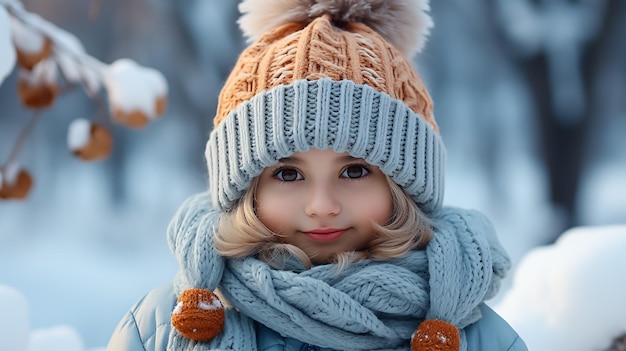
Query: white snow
{"type": "Point", "coordinates": [7, 59]}
{"type": "Point", "coordinates": [131, 87]}
{"type": "Point", "coordinates": [79, 134]}
{"type": "Point", "coordinates": [61, 337]}
{"type": "Point", "coordinates": [442, 337]}
{"type": "Point", "coordinates": [15, 332]}
{"type": "Point", "coordinates": [571, 295]}
{"type": "Point", "coordinates": [178, 308]}
{"type": "Point", "coordinates": [76, 65]}
{"type": "Point", "coordinates": [35, 23]}
{"type": "Point", "coordinates": [214, 305]}
{"type": "Point", "coordinates": [26, 38]}
{"type": "Point", "coordinates": [44, 72]}
{"type": "Point", "coordinates": [14, 320]}
{"type": "Point", "coordinates": [70, 55]}
{"type": "Point", "coordinates": [10, 172]}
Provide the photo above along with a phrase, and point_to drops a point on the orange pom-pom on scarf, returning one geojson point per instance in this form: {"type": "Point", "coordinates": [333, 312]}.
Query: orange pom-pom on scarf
{"type": "Point", "coordinates": [436, 335]}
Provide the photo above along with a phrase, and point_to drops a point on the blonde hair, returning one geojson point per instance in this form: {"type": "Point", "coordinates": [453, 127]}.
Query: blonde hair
{"type": "Point", "coordinates": [241, 233]}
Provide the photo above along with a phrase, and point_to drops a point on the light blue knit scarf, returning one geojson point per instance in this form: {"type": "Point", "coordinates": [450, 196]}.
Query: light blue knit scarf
{"type": "Point", "coordinates": [368, 306]}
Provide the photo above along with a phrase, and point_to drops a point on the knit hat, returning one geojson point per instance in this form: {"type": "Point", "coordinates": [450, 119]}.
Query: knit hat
{"type": "Point", "coordinates": [327, 75]}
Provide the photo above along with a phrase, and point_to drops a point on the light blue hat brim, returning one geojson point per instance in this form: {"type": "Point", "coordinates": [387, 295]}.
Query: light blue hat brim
{"type": "Point", "coordinates": [322, 114]}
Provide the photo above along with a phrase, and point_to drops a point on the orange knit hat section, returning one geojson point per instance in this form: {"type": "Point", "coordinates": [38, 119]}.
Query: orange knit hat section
{"type": "Point", "coordinates": [323, 49]}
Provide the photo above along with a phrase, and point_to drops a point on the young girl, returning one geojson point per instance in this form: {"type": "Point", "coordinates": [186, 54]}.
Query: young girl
{"type": "Point", "coordinates": [323, 227]}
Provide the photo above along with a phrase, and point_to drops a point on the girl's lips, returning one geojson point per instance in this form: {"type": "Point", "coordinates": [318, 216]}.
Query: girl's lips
{"type": "Point", "coordinates": [325, 234]}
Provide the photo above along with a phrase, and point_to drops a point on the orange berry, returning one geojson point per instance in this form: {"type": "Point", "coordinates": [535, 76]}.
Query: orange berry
{"type": "Point", "coordinates": [134, 119]}
{"type": "Point", "coordinates": [161, 105]}
{"type": "Point", "coordinates": [28, 60]}
{"type": "Point", "coordinates": [18, 188]}
{"type": "Point", "coordinates": [38, 95]}
{"type": "Point", "coordinates": [98, 146]}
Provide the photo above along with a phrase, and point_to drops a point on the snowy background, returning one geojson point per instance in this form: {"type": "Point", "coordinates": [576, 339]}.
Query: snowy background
{"type": "Point", "coordinates": [529, 100]}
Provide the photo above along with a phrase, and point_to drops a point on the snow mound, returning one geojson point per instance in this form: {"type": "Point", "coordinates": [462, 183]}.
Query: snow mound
{"type": "Point", "coordinates": [15, 333]}
{"type": "Point", "coordinates": [571, 295]}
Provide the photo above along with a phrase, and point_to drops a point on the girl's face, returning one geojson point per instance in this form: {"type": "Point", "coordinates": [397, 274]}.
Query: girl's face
{"type": "Point", "coordinates": [323, 202]}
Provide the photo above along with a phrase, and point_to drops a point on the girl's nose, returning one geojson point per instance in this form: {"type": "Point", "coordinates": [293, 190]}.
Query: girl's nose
{"type": "Point", "coordinates": [322, 201]}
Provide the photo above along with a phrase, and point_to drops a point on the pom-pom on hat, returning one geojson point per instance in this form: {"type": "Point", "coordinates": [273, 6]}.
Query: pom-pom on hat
{"type": "Point", "coordinates": [328, 74]}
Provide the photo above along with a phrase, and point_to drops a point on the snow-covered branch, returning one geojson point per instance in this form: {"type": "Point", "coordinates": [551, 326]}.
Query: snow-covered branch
{"type": "Point", "coordinates": [42, 53]}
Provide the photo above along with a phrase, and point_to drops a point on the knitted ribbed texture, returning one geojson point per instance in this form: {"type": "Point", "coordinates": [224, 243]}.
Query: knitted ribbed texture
{"type": "Point", "coordinates": [320, 50]}
{"type": "Point", "coordinates": [322, 114]}
{"type": "Point", "coordinates": [368, 306]}
{"type": "Point", "coordinates": [192, 230]}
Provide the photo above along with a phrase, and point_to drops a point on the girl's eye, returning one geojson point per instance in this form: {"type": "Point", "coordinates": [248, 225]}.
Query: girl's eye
{"type": "Point", "coordinates": [355, 172]}
{"type": "Point", "coordinates": [288, 175]}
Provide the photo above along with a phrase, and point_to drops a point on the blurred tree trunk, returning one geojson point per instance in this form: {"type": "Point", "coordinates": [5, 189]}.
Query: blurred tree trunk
{"type": "Point", "coordinates": [564, 139]}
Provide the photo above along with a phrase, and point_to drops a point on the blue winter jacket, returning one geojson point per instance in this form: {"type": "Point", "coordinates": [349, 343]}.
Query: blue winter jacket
{"type": "Point", "coordinates": [146, 327]}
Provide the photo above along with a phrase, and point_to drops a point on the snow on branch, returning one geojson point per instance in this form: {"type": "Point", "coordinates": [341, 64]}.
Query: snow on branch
{"type": "Point", "coordinates": [41, 52]}
{"type": "Point", "coordinates": [7, 59]}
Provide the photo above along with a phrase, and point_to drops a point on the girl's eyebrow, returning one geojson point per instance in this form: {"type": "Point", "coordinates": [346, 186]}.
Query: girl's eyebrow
{"type": "Point", "coordinates": [348, 158]}
{"type": "Point", "coordinates": [295, 160]}
{"type": "Point", "coordinates": [290, 160]}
